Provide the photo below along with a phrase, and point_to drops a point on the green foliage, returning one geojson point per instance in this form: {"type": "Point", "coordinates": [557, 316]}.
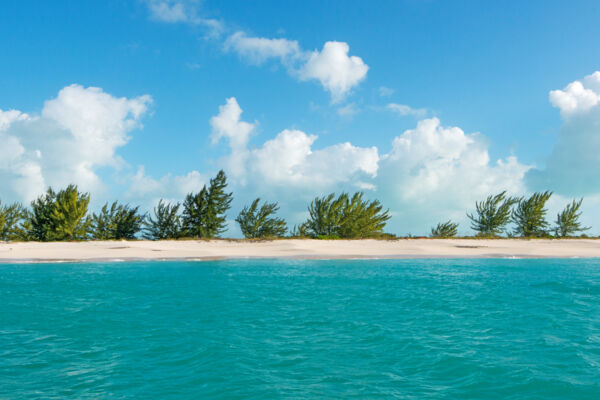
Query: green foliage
{"type": "Point", "coordinates": [69, 215]}
{"type": "Point", "coordinates": [11, 217]}
{"type": "Point", "coordinates": [258, 222]}
{"type": "Point", "coordinates": [59, 216]}
{"type": "Point", "coordinates": [195, 214]}
{"type": "Point", "coordinates": [567, 221]}
{"type": "Point", "coordinates": [345, 217]}
{"type": "Point", "coordinates": [39, 219]}
{"type": "Point", "coordinates": [530, 215]}
{"type": "Point", "coordinates": [492, 215]}
{"type": "Point", "coordinates": [166, 223]}
{"type": "Point", "coordinates": [204, 212]}
{"type": "Point", "coordinates": [117, 222]}
{"type": "Point", "coordinates": [444, 230]}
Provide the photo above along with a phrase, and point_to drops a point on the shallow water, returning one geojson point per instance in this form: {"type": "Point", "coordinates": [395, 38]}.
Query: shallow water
{"type": "Point", "coordinates": [269, 329]}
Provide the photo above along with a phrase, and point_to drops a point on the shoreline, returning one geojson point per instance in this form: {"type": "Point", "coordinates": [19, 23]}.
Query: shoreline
{"type": "Point", "coordinates": [210, 250]}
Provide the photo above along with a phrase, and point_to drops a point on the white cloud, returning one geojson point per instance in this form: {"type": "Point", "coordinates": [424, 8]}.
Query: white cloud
{"type": "Point", "coordinates": [573, 168]}
{"type": "Point", "coordinates": [146, 190]}
{"type": "Point", "coordinates": [258, 50]}
{"type": "Point", "coordinates": [183, 11]}
{"type": "Point", "coordinates": [333, 67]}
{"type": "Point", "coordinates": [337, 72]}
{"type": "Point", "coordinates": [287, 159]}
{"type": "Point", "coordinates": [435, 172]}
{"type": "Point", "coordinates": [228, 124]}
{"type": "Point", "coordinates": [77, 132]}
{"type": "Point", "coordinates": [578, 96]}
{"type": "Point", "coordinates": [405, 110]}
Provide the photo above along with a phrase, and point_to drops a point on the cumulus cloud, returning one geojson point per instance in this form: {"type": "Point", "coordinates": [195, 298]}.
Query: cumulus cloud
{"type": "Point", "coordinates": [333, 67]}
{"type": "Point", "coordinates": [577, 97]}
{"type": "Point", "coordinates": [228, 124]}
{"type": "Point", "coordinates": [337, 72]}
{"type": "Point", "coordinates": [436, 172]}
{"type": "Point", "coordinates": [573, 167]}
{"type": "Point", "coordinates": [77, 132]}
{"type": "Point", "coordinates": [289, 158]}
{"type": "Point", "coordinates": [405, 110]}
{"type": "Point", "coordinates": [431, 172]}
{"type": "Point", "coordinates": [146, 190]}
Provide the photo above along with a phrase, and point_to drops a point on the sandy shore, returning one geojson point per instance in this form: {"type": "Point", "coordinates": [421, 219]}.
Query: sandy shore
{"type": "Point", "coordinates": [317, 249]}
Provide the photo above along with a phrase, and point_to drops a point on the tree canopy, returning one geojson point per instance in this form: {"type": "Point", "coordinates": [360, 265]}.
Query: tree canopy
{"type": "Point", "coordinates": [345, 217]}
{"type": "Point", "coordinates": [492, 214]}
{"type": "Point", "coordinates": [204, 212]}
{"type": "Point", "coordinates": [567, 221]}
{"type": "Point", "coordinates": [446, 229]}
{"type": "Point", "coordinates": [165, 224]}
{"type": "Point", "coordinates": [260, 222]}
{"type": "Point", "coordinates": [529, 216]}
{"type": "Point", "coordinates": [116, 222]}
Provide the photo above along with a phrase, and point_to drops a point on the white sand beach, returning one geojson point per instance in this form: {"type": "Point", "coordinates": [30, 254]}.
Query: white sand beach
{"type": "Point", "coordinates": [296, 248]}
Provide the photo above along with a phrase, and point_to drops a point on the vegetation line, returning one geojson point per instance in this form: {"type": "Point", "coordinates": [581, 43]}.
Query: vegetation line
{"type": "Point", "coordinates": [64, 216]}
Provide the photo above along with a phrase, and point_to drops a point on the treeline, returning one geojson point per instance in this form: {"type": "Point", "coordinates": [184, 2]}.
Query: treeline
{"type": "Point", "coordinates": [493, 215]}
{"type": "Point", "coordinates": [64, 216]}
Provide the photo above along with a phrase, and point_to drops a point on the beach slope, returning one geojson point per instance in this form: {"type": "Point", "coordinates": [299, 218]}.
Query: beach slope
{"type": "Point", "coordinates": [296, 248]}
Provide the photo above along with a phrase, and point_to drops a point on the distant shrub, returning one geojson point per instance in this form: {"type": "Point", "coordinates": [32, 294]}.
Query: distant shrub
{"type": "Point", "coordinates": [444, 230]}
{"type": "Point", "coordinates": [260, 222]}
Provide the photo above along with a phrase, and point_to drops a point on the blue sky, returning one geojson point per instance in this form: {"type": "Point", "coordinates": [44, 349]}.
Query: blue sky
{"type": "Point", "coordinates": [413, 101]}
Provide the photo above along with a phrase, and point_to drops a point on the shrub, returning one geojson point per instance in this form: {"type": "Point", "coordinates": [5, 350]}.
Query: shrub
{"type": "Point", "coordinates": [345, 217]}
{"type": "Point", "coordinates": [444, 230]}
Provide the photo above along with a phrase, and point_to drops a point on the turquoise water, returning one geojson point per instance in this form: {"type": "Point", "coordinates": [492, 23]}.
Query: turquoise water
{"type": "Point", "coordinates": [257, 329]}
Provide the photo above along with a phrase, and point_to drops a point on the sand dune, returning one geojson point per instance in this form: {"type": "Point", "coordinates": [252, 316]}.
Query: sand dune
{"type": "Point", "coordinates": [296, 248]}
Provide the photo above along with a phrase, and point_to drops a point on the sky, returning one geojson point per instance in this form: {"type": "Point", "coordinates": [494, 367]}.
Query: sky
{"type": "Point", "coordinates": [426, 105]}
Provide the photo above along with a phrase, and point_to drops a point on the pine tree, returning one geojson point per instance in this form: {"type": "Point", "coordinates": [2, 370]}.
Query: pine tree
{"type": "Point", "coordinates": [59, 216]}
{"type": "Point", "coordinates": [11, 217]}
{"type": "Point", "coordinates": [68, 215]}
{"type": "Point", "coordinates": [492, 215]}
{"type": "Point", "coordinates": [530, 215]}
{"type": "Point", "coordinates": [444, 230]}
{"type": "Point", "coordinates": [204, 212]}
{"type": "Point", "coordinates": [116, 223]}
{"type": "Point", "coordinates": [39, 219]}
{"type": "Point", "coordinates": [361, 218]}
{"type": "Point", "coordinates": [195, 212]}
{"type": "Point", "coordinates": [166, 223]}
{"type": "Point", "coordinates": [218, 202]}
{"type": "Point", "coordinates": [567, 221]}
{"type": "Point", "coordinates": [345, 217]}
{"type": "Point", "coordinates": [258, 222]}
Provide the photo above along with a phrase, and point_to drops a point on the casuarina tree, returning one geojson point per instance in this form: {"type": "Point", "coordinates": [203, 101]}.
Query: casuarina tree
{"type": "Point", "coordinates": [492, 215]}
{"type": "Point", "coordinates": [260, 222]}
{"type": "Point", "coordinates": [529, 216]}
{"type": "Point", "coordinates": [567, 221]}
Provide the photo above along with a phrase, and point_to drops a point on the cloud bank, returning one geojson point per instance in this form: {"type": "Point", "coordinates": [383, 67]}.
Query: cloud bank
{"type": "Point", "coordinates": [573, 167]}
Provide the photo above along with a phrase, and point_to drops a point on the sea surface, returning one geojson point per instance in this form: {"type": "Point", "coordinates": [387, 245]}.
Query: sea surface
{"type": "Point", "coordinates": [275, 329]}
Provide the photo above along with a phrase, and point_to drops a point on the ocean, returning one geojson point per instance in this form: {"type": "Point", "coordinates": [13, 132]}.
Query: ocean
{"type": "Point", "coordinates": [301, 329]}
